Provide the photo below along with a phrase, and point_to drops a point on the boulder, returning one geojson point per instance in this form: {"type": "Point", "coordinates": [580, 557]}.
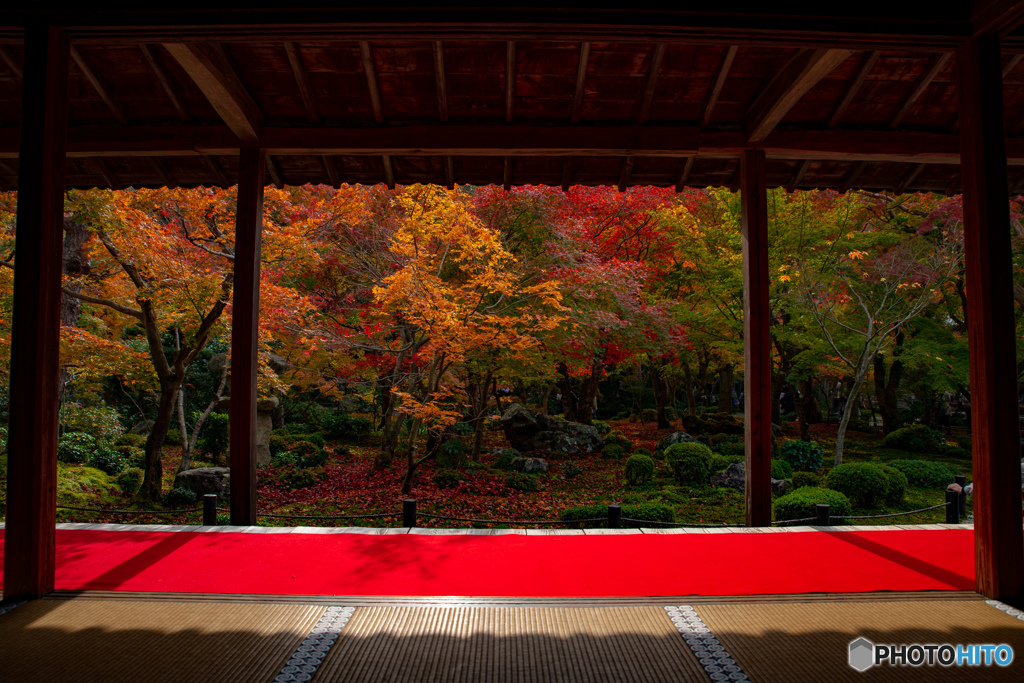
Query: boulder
{"type": "Point", "coordinates": [529, 465]}
{"type": "Point", "coordinates": [498, 452]}
{"type": "Point", "coordinates": [734, 476]}
{"type": "Point", "coordinates": [265, 409]}
{"type": "Point", "coordinates": [279, 364]}
{"type": "Point", "coordinates": [218, 362]}
{"type": "Point", "coordinates": [530, 431]}
{"type": "Point", "coordinates": [674, 438]}
{"type": "Point", "coordinates": [203, 480]}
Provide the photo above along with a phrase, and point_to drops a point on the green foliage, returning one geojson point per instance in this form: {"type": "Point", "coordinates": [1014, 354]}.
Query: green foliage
{"type": "Point", "coordinates": [100, 421]}
{"type": "Point", "coordinates": [802, 503]}
{"type": "Point", "coordinates": [571, 469]}
{"type": "Point", "coordinates": [642, 451]}
{"type": "Point", "coordinates": [731, 448]}
{"type": "Point", "coordinates": [3, 440]}
{"type": "Point", "coordinates": [504, 461]}
{"type": "Point", "coordinates": [916, 439]}
{"type": "Point", "coordinates": [618, 439]}
{"type": "Point", "coordinates": [308, 454]}
{"type": "Point", "coordinates": [344, 427]}
{"type": "Point", "coordinates": [612, 451]}
{"type": "Point", "coordinates": [955, 452]}
{"type": "Point", "coordinates": [691, 462]}
{"type": "Point", "coordinates": [131, 440]}
{"type": "Point", "coordinates": [214, 437]}
{"type": "Point", "coordinates": [452, 454]}
{"type": "Point", "coordinates": [75, 448]}
{"type": "Point", "coordinates": [897, 485]}
{"type": "Point", "coordinates": [781, 469]}
{"type": "Point", "coordinates": [863, 483]}
{"type": "Point", "coordinates": [639, 469]}
{"type": "Point", "coordinates": [670, 414]}
{"type": "Point", "coordinates": [173, 438]}
{"type": "Point", "coordinates": [805, 456]}
{"type": "Point", "coordinates": [964, 441]}
{"type": "Point", "coordinates": [601, 427]}
{"type": "Point", "coordinates": [649, 415]}
{"type": "Point", "coordinates": [646, 512]}
{"type": "Point", "coordinates": [179, 497]}
{"type": "Point", "coordinates": [448, 478]}
{"type": "Point", "coordinates": [108, 460]}
{"type": "Point", "coordinates": [300, 479]}
{"type": "Point", "coordinates": [130, 481]}
{"type": "Point", "coordinates": [804, 479]}
{"type": "Point", "coordinates": [519, 481]}
{"type": "Point", "coordinates": [926, 474]}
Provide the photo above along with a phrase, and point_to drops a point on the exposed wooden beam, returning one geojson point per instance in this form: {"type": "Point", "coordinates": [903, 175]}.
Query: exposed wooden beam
{"type": "Point", "coordinates": [718, 84]}
{"type": "Point", "coordinates": [852, 176]}
{"type": "Point", "coordinates": [389, 171]}
{"type": "Point", "coordinates": [217, 171]}
{"type": "Point", "coordinates": [581, 80]}
{"type": "Point", "coordinates": [996, 17]}
{"type": "Point", "coordinates": [757, 350]}
{"type": "Point", "coordinates": [510, 81]}
{"type": "Point", "coordinates": [627, 170]}
{"type": "Point", "coordinates": [449, 173]}
{"type": "Point", "coordinates": [867, 63]}
{"type": "Point", "coordinates": [991, 327]}
{"type": "Point", "coordinates": [439, 80]}
{"type": "Point", "coordinates": [161, 76]}
{"type": "Point", "coordinates": [934, 67]}
{"type": "Point", "coordinates": [1011, 63]}
{"type": "Point", "coordinates": [5, 177]}
{"type": "Point", "coordinates": [803, 72]}
{"type": "Point", "coordinates": [371, 80]}
{"type": "Point", "coordinates": [651, 82]}
{"type": "Point", "coordinates": [507, 175]}
{"type": "Point", "coordinates": [908, 178]}
{"type": "Point", "coordinates": [245, 303]}
{"type": "Point", "coordinates": [737, 177]}
{"type": "Point", "coordinates": [30, 537]}
{"type": "Point", "coordinates": [302, 79]}
{"type": "Point", "coordinates": [161, 171]}
{"type": "Point", "coordinates": [684, 175]}
{"type": "Point", "coordinates": [275, 172]}
{"type": "Point", "coordinates": [566, 174]}
{"type": "Point", "coordinates": [99, 86]}
{"type": "Point", "coordinates": [104, 172]}
{"type": "Point", "coordinates": [798, 175]}
{"type": "Point", "coordinates": [332, 170]}
{"type": "Point", "coordinates": [221, 87]}
{"type": "Point", "coordinates": [8, 58]}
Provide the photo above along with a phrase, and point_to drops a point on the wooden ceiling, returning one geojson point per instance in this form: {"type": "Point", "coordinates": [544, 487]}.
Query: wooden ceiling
{"type": "Point", "coordinates": [518, 96]}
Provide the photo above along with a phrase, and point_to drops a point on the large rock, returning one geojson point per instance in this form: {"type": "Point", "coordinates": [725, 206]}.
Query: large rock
{"type": "Point", "coordinates": [530, 431]}
{"type": "Point", "coordinates": [265, 409]}
{"type": "Point", "coordinates": [674, 438]}
{"type": "Point", "coordinates": [218, 362]}
{"type": "Point", "coordinates": [529, 465]}
{"type": "Point", "coordinates": [203, 480]}
{"type": "Point", "coordinates": [734, 476]}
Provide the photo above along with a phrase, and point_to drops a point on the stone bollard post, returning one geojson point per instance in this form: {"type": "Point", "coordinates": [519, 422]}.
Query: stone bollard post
{"type": "Point", "coordinates": [824, 513]}
{"type": "Point", "coordinates": [614, 516]}
{"type": "Point", "coordinates": [953, 493]}
{"type": "Point", "coordinates": [409, 512]}
{"type": "Point", "coordinates": [210, 509]}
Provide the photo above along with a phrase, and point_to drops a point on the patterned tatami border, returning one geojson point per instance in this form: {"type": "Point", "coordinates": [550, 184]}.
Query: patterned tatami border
{"type": "Point", "coordinates": [496, 532]}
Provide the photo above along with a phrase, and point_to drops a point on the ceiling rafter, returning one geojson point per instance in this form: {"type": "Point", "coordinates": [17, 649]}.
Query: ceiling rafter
{"type": "Point", "coordinates": [581, 80]}
{"type": "Point", "coordinates": [922, 83]}
{"type": "Point", "coordinates": [389, 171]}
{"type": "Point", "coordinates": [510, 81]}
{"type": "Point", "coordinates": [566, 173]}
{"type": "Point", "coordinates": [439, 80]}
{"type": "Point", "coordinates": [449, 173]}
{"type": "Point", "coordinates": [302, 80]}
{"type": "Point", "coordinates": [11, 61]}
{"type": "Point", "coordinates": [274, 169]}
{"type": "Point", "coordinates": [867, 63]}
{"type": "Point", "coordinates": [161, 76]}
{"type": "Point", "coordinates": [803, 72]}
{"type": "Point", "coordinates": [506, 181]}
{"type": "Point", "coordinates": [719, 83]}
{"type": "Point", "coordinates": [996, 17]}
{"type": "Point", "coordinates": [798, 175]}
{"type": "Point", "coordinates": [907, 178]}
{"type": "Point", "coordinates": [101, 169]}
{"type": "Point", "coordinates": [217, 171]}
{"type": "Point", "coordinates": [221, 86]}
{"type": "Point", "coordinates": [161, 171]}
{"type": "Point", "coordinates": [332, 170]}
{"type": "Point", "coordinates": [101, 88]}
{"type": "Point", "coordinates": [684, 175]}
{"type": "Point", "coordinates": [852, 176]}
{"type": "Point", "coordinates": [366, 52]}
{"type": "Point", "coordinates": [627, 170]}
{"type": "Point", "coordinates": [651, 82]}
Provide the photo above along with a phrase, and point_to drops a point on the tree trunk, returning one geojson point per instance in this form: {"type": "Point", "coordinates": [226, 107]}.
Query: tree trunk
{"type": "Point", "coordinates": [547, 398]}
{"type": "Point", "coordinates": [76, 263]}
{"type": "Point", "coordinates": [812, 413]}
{"type": "Point", "coordinates": [660, 393]}
{"type": "Point", "coordinates": [778, 381]}
{"type": "Point", "coordinates": [565, 385]}
{"type": "Point", "coordinates": [725, 389]}
{"type": "Point", "coordinates": [886, 387]}
{"type": "Point", "coordinates": [851, 403]}
{"type": "Point", "coordinates": [152, 483]}
{"type": "Point", "coordinates": [186, 455]}
{"type": "Point", "coordinates": [691, 400]}
{"type": "Point", "coordinates": [588, 393]}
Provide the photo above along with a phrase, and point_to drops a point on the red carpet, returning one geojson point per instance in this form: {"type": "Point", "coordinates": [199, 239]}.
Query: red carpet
{"type": "Point", "coordinates": [513, 565]}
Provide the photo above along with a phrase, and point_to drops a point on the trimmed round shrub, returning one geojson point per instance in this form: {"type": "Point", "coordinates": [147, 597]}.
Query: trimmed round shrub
{"type": "Point", "coordinates": [519, 481]}
{"type": "Point", "coordinates": [645, 512]}
{"type": "Point", "coordinates": [448, 478]}
{"type": "Point", "coordinates": [802, 479]}
{"type": "Point", "coordinates": [130, 481]}
{"type": "Point", "coordinates": [131, 440]}
{"type": "Point", "coordinates": [804, 456]}
{"type": "Point", "coordinates": [308, 454]}
{"type": "Point", "coordinates": [75, 448]}
{"type": "Point", "coordinates": [720, 462]}
{"type": "Point", "coordinates": [179, 498]}
{"type": "Point", "coordinates": [731, 448]}
{"type": "Point", "coordinates": [691, 462]}
{"type": "Point", "coordinates": [639, 469]}
{"type": "Point", "coordinates": [897, 485]}
{"type": "Point", "coordinates": [915, 438]}
{"type": "Point", "coordinates": [716, 440]}
{"type": "Point", "coordinates": [863, 483]}
{"type": "Point", "coordinates": [108, 460]}
{"type": "Point", "coordinates": [612, 451]}
{"type": "Point", "coordinates": [802, 503]}
{"type": "Point", "coordinates": [617, 439]}
{"type": "Point", "coordinates": [926, 474]}
{"type": "Point", "coordinates": [571, 470]}
{"type": "Point", "coordinates": [955, 452]}
{"type": "Point", "coordinates": [781, 469]}
{"type": "Point", "coordinates": [601, 426]}
{"type": "Point", "coordinates": [649, 415]}
{"type": "Point", "coordinates": [678, 451]}
{"type": "Point", "coordinates": [504, 461]}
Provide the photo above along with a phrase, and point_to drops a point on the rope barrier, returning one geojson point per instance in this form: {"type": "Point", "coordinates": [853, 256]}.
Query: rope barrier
{"type": "Point", "coordinates": [132, 512]}
{"type": "Point", "coordinates": [508, 521]}
{"type": "Point", "coordinates": [894, 514]}
{"type": "Point", "coordinates": [374, 516]}
{"type": "Point", "coordinates": [681, 524]}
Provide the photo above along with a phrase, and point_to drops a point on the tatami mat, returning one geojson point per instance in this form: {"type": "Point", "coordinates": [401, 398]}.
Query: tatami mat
{"type": "Point", "coordinates": [106, 642]}
{"type": "Point", "coordinates": [409, 644]}
{"type": "Point", "coordinates": [810, 642]}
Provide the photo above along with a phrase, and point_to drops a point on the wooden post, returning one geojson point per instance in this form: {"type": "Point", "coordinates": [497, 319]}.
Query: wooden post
{"type": "Point", "coordinates": [998, 541]}
{"type": "Point", "coordinates": [29, 544]}
{"type": "Point", "coordinates": [245, 336]}
{"type": "Point", "coordinates": [757, 376]}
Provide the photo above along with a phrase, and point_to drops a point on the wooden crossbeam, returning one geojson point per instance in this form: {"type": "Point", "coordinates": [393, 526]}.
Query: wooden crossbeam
{"type": "Point", "coordinates": [366, 53]}
{"type": "Point", "coordinates": [798, 175]}
{"type": "Point", "coordinates": [510, 82]}
{"type": "Point", "coordinates": [907, 178]}
{"type": "Point", "coordinates": [102, 89]}
{"type": "Point", "coordinates": [581, 80]}
{"type": "Point", "coordinates": [867, 63]}
{"type": "Point", "coordinates": [217, 171]}
{"type": "Point", "coordinates": [651, 82]}
{"type": "Point", "coordinates": [1011, 63]}
{"type": "Point", "coordinates": [684, 175]}
{"type": "Point", "coordinates": [332, 170]}
{"type": "Point", "coordinates": [274, 169]}
{"type": "Point", "coordinates": [221, 87]}
{"type": "Point", "coordinates": [449, 173]}
{"type": "Point", "coordinates": [161, 171]}
{"type": "Point", "coordinates": [996, 17]}
{"type": "Point", "coordinates": [803, 72]}
{"type": "Point", "coordinates": [104, 172]}
{"type": "Point", "coordinates": [161, 76]}
{"type": "Point", "coordinates": [718, 84]}
{"type": "Point", "coordinates": [11, 61]}
{"type": "Point", "coordinates": [934, 67]}
{"type": "Point", "coordinates": [5, 177]}
{"type": "Point", "coordinates": [439, 80]}
{"type": "Point", "coordinates": [852, 176]}
{"type": "Point", "coordinates": [302, 79]}
{"type": "Point", "coordinates": [627, 170]}
{"type": "Point", "coordinates": [507, 175]}
{"type": "Point", "coordinates": [389, 171]}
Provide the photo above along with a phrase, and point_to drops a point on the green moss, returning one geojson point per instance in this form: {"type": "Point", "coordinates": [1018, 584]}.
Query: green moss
{"type": "Point", "coordinates": [85, 486]}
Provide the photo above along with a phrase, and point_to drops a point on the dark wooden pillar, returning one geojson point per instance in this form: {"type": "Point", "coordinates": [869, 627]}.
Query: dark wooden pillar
{"type": "Point", "coordinates": [245, 336]}
{"type": "Point", "coordinates": [757, 375]}
{"type": "Point", "coordinates": [29, 548]}
{"type": "Point", "coordinates": [999, 545]}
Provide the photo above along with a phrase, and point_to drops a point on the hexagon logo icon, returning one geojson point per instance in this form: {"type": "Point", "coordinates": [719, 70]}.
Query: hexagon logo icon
{"type": "Point", "coordinates": [862, 654]}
